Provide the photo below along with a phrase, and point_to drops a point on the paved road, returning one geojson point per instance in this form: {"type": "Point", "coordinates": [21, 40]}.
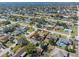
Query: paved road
{"type": "Point", "coordinates": [67, 22]}
{"type": "Point", "coordinates": [78, 39]}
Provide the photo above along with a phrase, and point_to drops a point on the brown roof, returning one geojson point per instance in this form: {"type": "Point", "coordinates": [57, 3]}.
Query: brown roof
{"type": "Point", "coordinates": [19, 52]}
{"type": "Point", "coordinates": [4, 38]}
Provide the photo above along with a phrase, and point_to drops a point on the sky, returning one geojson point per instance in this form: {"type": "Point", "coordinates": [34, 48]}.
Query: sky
{"type": "Point", "coordinates": [38, 3]}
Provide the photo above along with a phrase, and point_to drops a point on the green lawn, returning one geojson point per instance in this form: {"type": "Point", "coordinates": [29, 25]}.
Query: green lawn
{"type": "Point", "coordinates": [30, 30]}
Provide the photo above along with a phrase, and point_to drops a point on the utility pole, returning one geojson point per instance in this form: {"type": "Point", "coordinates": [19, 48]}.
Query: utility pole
{"type": "Point", "coordinates": [77, 38]}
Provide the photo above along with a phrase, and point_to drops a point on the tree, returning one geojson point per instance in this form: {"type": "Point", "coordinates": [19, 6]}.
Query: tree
{"type": "Point", "coordinates": [39, 25]}
{"type": "Point", "coordinates": [8, 29]}
{"type": "Point", "coordinates": [6, 22]}
{"type": "Point", "coordinates": [44, 46]}
{"type": "Point", "coordinates": [37, 44]}
{"type": "Point", "coordinates": [30, 48]}
{"type": "Point", "coordinates": [17, 25]}
{"type": "Point", "coordinates": [53, 41]}
{"type": "Point", "coordinates": [69, 49]}
{"type": "Point", "coordinates": [22, 40]}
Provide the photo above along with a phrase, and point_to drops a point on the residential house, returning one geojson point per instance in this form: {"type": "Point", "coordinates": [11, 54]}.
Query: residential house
{"type": "Point", "coordinates": [4, 38]}
{"type": "Point", "coordinates": [63, 42]}
{"type": "Point", "coordinates": [20, 53]}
